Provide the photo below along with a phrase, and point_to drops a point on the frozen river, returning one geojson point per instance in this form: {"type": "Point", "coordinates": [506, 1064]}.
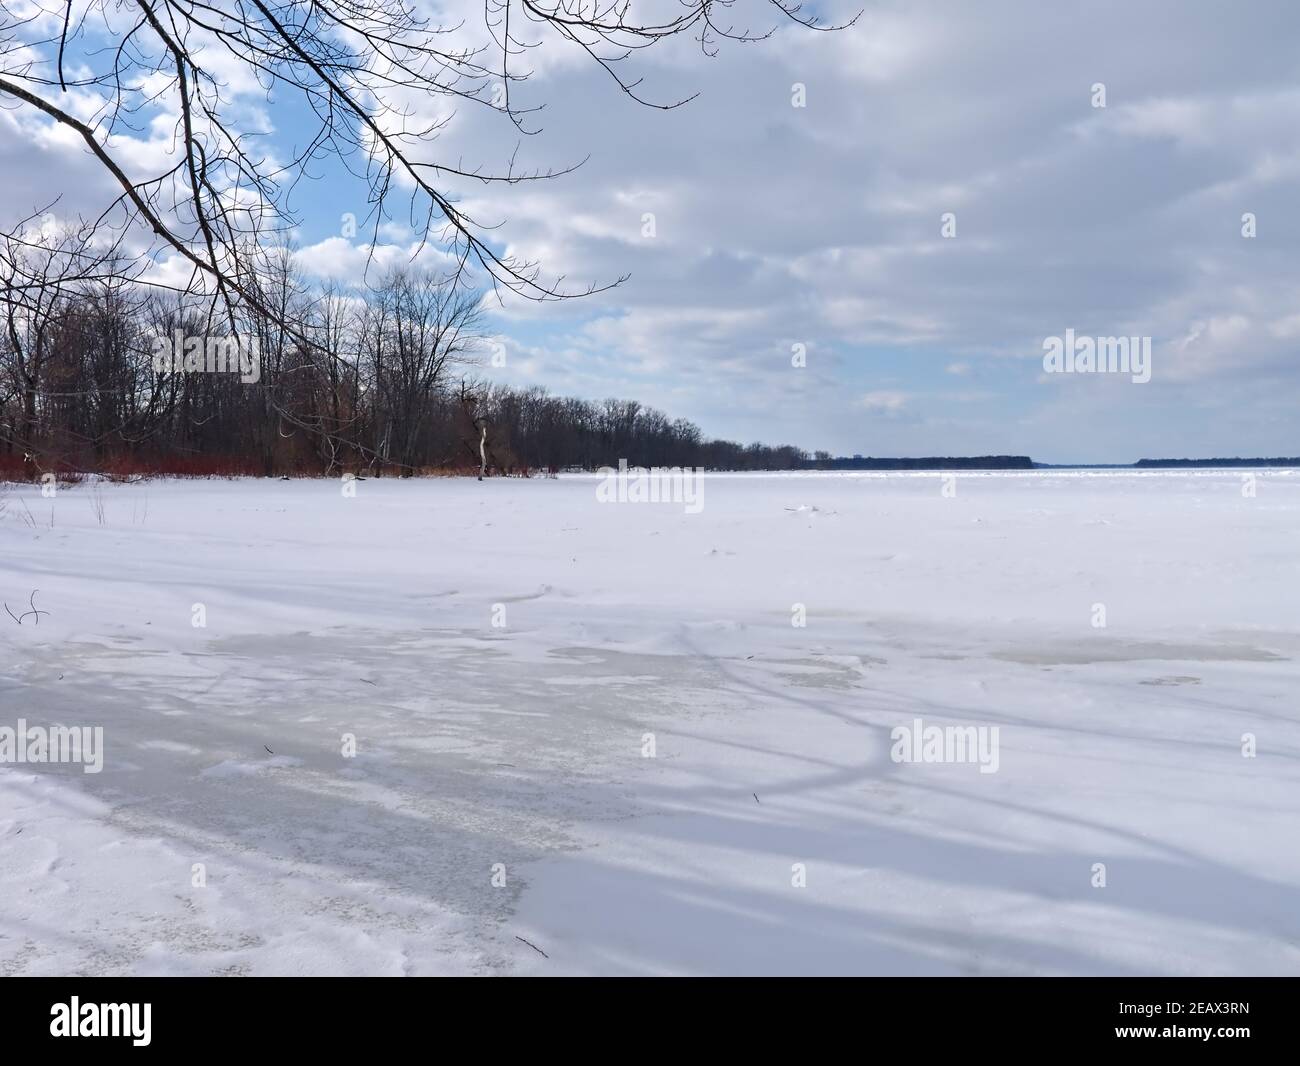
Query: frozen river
{"type": "Point", "coordinates": [904, 724]}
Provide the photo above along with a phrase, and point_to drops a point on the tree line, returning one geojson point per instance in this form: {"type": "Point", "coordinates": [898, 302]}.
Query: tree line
{"type": "Point", "coordinates": [98, 374]}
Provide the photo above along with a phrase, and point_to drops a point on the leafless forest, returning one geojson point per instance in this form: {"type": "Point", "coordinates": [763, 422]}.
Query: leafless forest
{"type": "Point", "coordinates": [386, 383]}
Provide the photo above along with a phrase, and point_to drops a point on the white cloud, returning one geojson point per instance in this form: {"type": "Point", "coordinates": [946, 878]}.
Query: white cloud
{"type": "Point", "coordinates": [883, 401]}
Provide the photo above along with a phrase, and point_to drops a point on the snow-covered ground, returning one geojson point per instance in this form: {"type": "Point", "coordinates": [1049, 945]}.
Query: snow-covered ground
{"type": "Point", "coordinates": [594, 729]}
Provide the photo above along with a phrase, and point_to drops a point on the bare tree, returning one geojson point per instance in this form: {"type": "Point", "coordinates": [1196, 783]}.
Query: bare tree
{"type": "Point", "coordinates": [416, 329]}
{"type": "Point", "coordinates": [478, 424]}
{"type": "Point", "coordinates": [47, 275]}
{"type": "Point", "coordinates": [94, 66]}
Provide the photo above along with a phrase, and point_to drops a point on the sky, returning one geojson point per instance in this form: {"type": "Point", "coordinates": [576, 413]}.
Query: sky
{"type": "Point", "coordinates": [863, 239]}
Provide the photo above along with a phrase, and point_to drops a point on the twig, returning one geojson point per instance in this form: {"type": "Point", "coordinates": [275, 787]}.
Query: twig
{"type": "Point", "coordinates": [33, 612]}
{"type": "Point", "coordinates": [533, 946]}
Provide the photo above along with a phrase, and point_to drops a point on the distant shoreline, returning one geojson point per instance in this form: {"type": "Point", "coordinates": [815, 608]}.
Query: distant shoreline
{"type": "Point", "coordinates": [1024, 462]}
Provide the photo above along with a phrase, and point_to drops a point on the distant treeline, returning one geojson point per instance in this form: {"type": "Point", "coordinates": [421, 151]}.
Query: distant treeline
{"type": "Point", "coordinates": [98, 378]}
{"type": "Point", "coordinates": [978, 462]}
{"type": "Point", "coordinates": [822, 461]}
{"type": "Point", "coordinates": [540, 431]}
{"type": "Point", "coordinates": [1216, 462]}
